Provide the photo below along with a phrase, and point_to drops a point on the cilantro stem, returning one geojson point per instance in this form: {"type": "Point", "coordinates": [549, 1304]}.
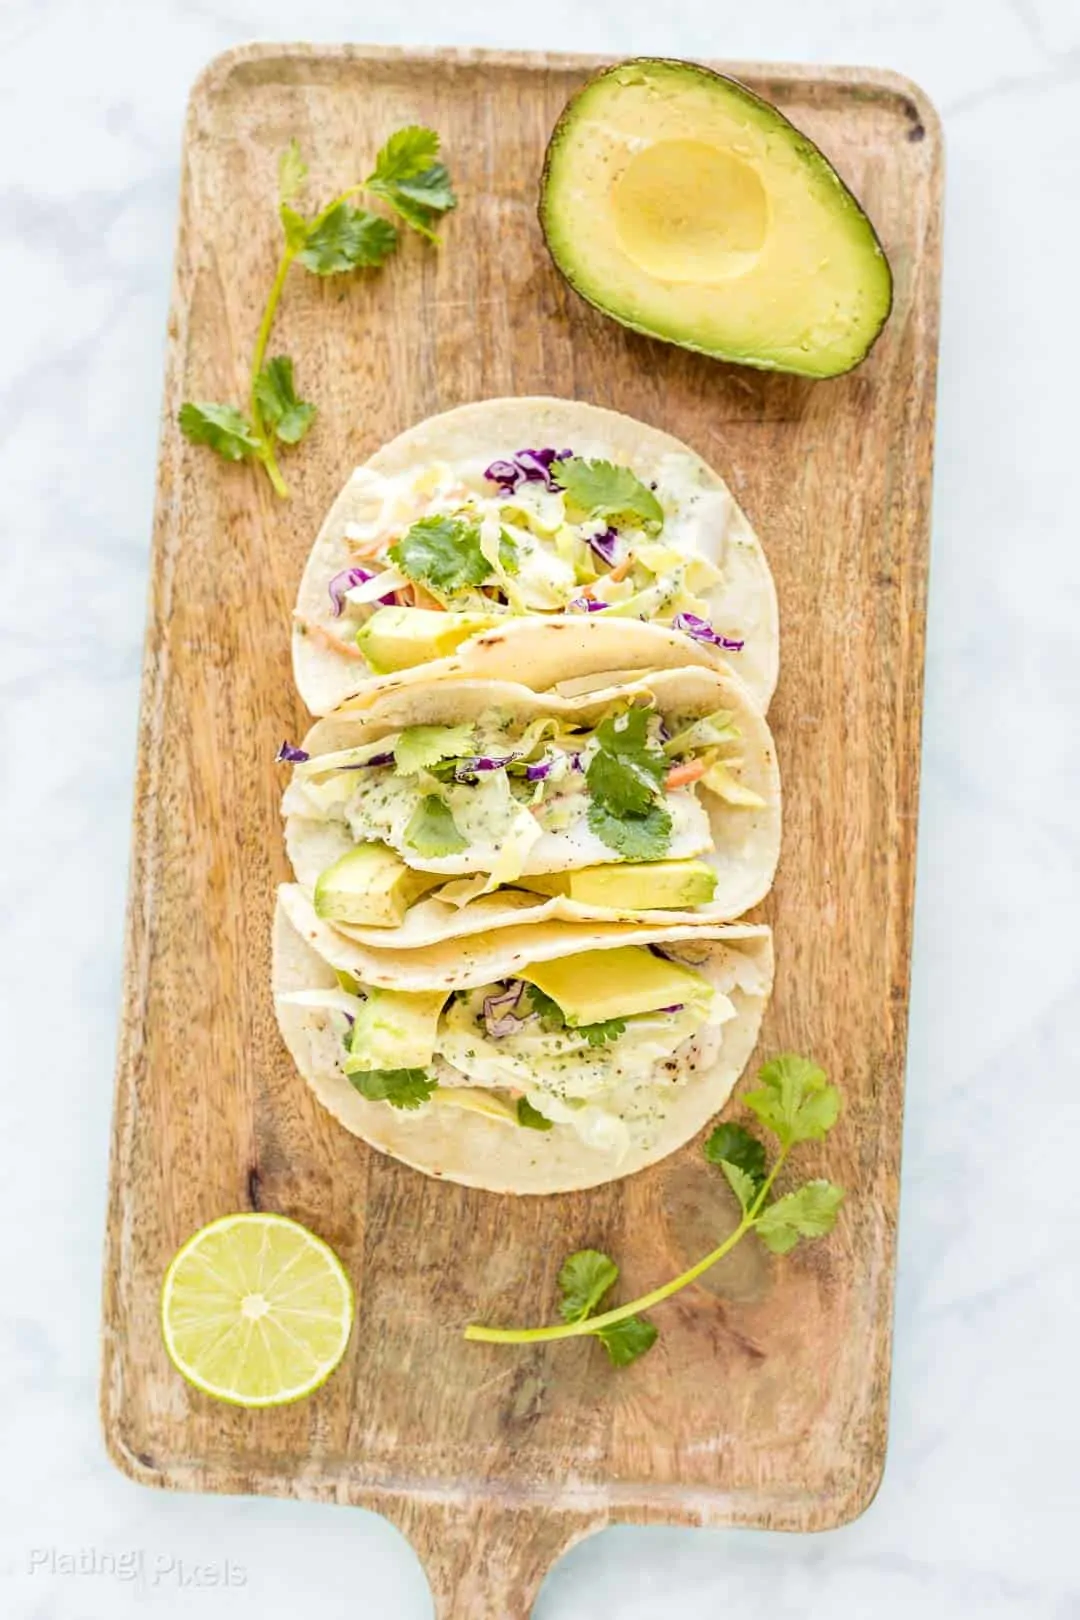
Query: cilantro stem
{"type": "Point", "coordinates": [572, 1330]}
{"type": "Point", "coordinates": [262, 343]}
{"type": "Point", "coordinates": [262, 340]}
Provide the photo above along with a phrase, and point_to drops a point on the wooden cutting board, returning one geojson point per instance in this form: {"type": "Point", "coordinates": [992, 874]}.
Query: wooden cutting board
{"type": "Point", "coordinates": [765, 1402]}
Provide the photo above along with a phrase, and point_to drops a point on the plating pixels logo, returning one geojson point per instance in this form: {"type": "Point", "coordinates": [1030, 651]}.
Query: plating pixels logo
{"type": "Point", "coordinates": [135, 1564]}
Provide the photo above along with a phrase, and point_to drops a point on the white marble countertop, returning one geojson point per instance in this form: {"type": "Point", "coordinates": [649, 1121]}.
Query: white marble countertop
{"type": "Point", "coordinates": [979, 1504]}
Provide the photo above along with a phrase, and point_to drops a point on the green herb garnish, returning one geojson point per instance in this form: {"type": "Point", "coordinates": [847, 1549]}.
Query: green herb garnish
{"type": "Point", "coordinates": [418, 748]}
{"type": "Point", "coordinates": [627, 769]}
{"type": "Point", "coordinates": [432, 830]}
{"type": "Point", "coordinates": [401, 1088]}
{"type": "Point", "coordinates": [634, 838]}
{"type": "Point", "coordinates": [796, 1103]}
{"type": "Point", "coordinates": [339, 239]}
{"type": "Point", "coordinates": [602, 489]}
{"type": "Point", "coordinates": [442, 553]}
{"type": "Point", "coordinates": [625, 781]}
{"type": "Point", "coordinates": [609, 1029]}
{"type": "Point", "coordinates": [584, 1280]}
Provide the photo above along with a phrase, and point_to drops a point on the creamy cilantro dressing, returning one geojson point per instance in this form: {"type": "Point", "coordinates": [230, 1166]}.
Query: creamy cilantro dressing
{"type": "Point", "coordinates": [377, 805]}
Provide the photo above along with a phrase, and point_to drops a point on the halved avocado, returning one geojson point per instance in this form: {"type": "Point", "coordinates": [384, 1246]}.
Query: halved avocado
{"type": "Point", "coordinates": [687, 208]}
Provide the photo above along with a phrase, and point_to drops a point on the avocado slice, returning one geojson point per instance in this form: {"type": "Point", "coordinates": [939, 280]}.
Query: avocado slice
{"type": "Point", "coordinates": [593, 986]}
{"type": "Point", "coordinates": [395, 1029]}
{"type": "Point", "coordinates": [631, 886]}
{"type": "Point", "coordinates": [370, 884]}
{"type": "Point", "coordinates": [688, 208]}
{"type": "Point", "coordinates": [401, 637]}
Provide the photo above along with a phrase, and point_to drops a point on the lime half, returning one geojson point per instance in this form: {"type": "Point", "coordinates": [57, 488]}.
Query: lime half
{"type": "Point", "coordinates": [256, 1310]}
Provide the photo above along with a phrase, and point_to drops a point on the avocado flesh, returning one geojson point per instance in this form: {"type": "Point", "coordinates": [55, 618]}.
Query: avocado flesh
{"type": "Point", "coordinates": [395, 1029]}
{"type": "Point", "coordinates": [593, 986]}
{"type": "Point", "coordinates": [687, 208]}
{"type": "Point", "coordinates": [646, 886]}
{"type": "Point", "coordinates": [370, 885]}
{"type": "Point", "coordinates": [400, 638]}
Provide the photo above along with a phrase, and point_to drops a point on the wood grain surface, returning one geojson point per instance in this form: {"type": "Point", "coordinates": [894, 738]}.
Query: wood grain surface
{"type": "Point", "coordinates": [765, 1401]}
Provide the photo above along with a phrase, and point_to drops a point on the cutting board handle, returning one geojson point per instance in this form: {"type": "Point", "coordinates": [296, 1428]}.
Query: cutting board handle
{"type": "Point", "coordinates": [486, 1561]}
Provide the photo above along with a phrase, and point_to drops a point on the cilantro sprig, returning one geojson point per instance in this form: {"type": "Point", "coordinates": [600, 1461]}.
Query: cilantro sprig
{"type": "Point", "coordinates": [602, 490]}
{"type": "Point", "coordinates": [624, 779]}
{"type": "Point", "coordinates": [442, 553]}
{"type": "Point", "coordinates": [339, 239]}
{"type": "Point", "coordinates": [401, 1088]}
{"type": "Point", "coordinates": [432, 830]}
{"type": "Point", "coordinates": [795, 1102]}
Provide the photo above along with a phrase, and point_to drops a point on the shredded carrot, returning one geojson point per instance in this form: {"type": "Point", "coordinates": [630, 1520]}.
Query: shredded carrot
{"type": "Point", "coordinates": [367, 550]}
{"type": "Point", "coordinates": [325, 639]}
{"type": "Point", "coordinates": [424, 599]}
{"type": "Point", "coordinates": [682, 775]}
{"type": "Point", "coordinates": [623, 568]}
{"type": "Point", "coordinates": [404, 596]}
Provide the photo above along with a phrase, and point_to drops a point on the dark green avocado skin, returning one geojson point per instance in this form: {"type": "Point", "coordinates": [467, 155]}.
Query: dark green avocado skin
{"type": "Point", "coordinates": [546, 205]}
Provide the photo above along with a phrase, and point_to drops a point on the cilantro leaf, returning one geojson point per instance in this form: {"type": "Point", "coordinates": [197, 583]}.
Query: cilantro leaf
{"type": "Point", "coordinates": [432, 830]}
{"type": "Point", "coordinates": [345, 239]}
{"type": "Point", "coordinates": [443, 553]}
{"type": "Point", "coordinates": [550, 1013]}
{"type": "Point", "coordinates": [743, 1186]}
{"type": "Point", "coordinates": [420, 747]}
{"type": "Point", "coordinates": [627, 769]}
{"type": "Point", "coordinates": [406, 154]}
{"type": "Point", "coordinates": [408, 178]}
{"type": "Point", "coordinates": [634, 838]}
{"type": "Point", "coordinates": [419, 201]}
{"type": "Point", "coordinates": [598, 1034]}
{"type": "Point", "coordinates": [604, 490]}
{"type": "Point", "coordinates": [294, 225]}
{"type": "Point", "coordinates": [401, 1088]}
{"type": "Point", "coordinates": [585, 1277]}
{"type": "Point", "coordinates": [509, 553]}
{"type": "Point", "coordinates": [809, 1212]}
{"type": "Point", "coordinates": [794, 1100]}
{"type": "Point", "coordinates": [292, 172]}
{"type": "Point", "coordinates": [222, 427]}
{"type": "Point", "coordinates": [732, 1144]}
{"type": "Point", "coordinates": [531, 1117]}
{"type": "Point", "coordinates": [741, 1157]}
{"type": "Point", "coordinates": [625, 1341]}
{"type": "Point", "coordinates": [275, 392]}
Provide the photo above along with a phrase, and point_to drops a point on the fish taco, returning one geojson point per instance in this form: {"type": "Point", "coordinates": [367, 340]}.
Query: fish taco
{"type": "Point", "coordinates": [457, 527]}
{"type": "Point", "coordinates": [535, 1059]}
{"type": "Point", "coordinates": [465, 805]}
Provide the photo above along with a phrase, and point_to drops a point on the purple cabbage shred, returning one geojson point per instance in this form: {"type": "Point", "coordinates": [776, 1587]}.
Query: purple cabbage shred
{"type": "Point", "coordinates": [701, 630]}
{"type": "Point", "coordinates": [500, 1012]}
{"type": "Point", "coordinates": [344, 582]}
{"type": "Point", "coordinates": [604, 545]}
{"type": "Point", "coordinates": [288, 755]}
{"type": "Point", "coordinates": [376, 759]}
{"type": "Point", "coordinates": [526, 467]}
{"type": "Point", "coordinates": [537, 773]}
{"type": "Point", "coordinates": [582, 604]}
{"type": "Point", "coordinates": [465, 768]}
